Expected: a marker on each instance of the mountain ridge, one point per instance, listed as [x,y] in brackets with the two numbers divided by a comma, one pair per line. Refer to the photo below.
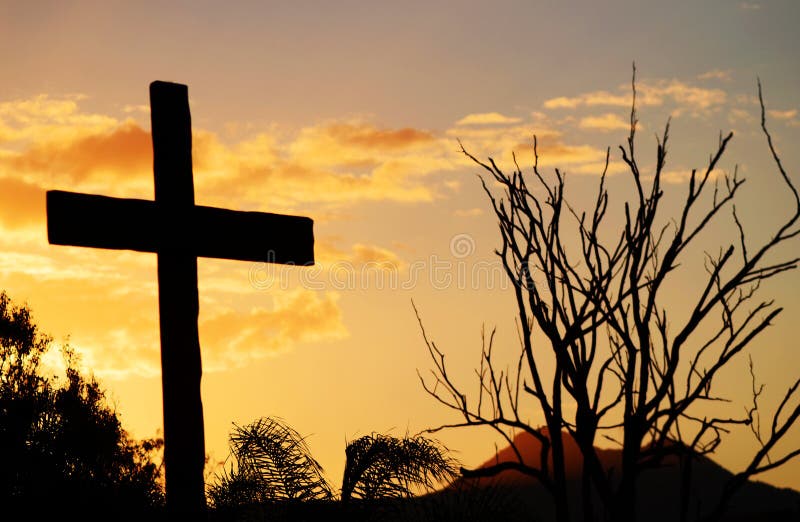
[658,488]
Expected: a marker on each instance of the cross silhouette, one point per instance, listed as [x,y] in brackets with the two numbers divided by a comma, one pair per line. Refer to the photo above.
[178,231]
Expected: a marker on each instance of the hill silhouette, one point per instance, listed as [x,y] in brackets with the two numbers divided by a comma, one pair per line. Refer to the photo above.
[530,449]
[659,488]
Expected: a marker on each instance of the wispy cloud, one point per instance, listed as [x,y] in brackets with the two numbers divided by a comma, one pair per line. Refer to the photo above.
[469,212]
[648,93]
[788,114]
[589,99]
[750,6]
[112,154]
[680,176]
[51,119]
[130,109]
[487,118]
[606,122]
[106,302]
[329,252]
[330,166]
[21,203]
[370,137]
[50,142]
[233,339]
[716,74]
[563,102]
[736,115]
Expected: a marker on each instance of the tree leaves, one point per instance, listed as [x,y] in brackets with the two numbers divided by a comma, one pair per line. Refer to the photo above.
[64,448]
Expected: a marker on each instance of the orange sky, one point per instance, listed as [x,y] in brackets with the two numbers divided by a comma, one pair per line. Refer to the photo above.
[351,116]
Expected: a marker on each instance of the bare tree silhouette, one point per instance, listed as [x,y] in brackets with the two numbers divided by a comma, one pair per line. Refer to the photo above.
[594,330]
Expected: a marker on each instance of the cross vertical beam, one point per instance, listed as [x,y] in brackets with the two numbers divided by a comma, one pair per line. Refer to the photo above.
[178,304]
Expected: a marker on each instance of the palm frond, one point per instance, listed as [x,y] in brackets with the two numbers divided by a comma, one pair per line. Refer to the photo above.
[272,462]
[382,466]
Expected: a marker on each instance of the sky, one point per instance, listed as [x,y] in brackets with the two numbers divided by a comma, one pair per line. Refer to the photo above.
[350,113]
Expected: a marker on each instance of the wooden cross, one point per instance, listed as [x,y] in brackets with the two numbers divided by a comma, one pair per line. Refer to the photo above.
[178,231]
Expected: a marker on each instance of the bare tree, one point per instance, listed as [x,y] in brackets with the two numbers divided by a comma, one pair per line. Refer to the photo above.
[596,311]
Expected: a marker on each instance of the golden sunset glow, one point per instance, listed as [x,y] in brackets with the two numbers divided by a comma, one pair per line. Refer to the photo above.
[354,116]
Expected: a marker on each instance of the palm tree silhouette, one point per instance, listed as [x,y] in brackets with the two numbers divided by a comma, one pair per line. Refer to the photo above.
[382,466]
[271,462]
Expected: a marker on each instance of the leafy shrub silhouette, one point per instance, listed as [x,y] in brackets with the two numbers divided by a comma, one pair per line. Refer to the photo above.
[63,446]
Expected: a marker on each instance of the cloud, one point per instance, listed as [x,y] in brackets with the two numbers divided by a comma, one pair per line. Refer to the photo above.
[788,117]
[590,99]
[354,146]
[596,168]
[21,203]
[113,154]
[52,142]
[228,338]
[144,109]
[369,137]
[234,338]
[358,267]
[360,254]
[109,315]
[487,118]
[562,102]
[377,256]
[468,212]
[317,168]
[676,176]
[648,93]
[605,122]
[108,300]
[685,95]
[783,115]
[680,176]
[42,117]
[106,304]
[329,164]
[500,142]
[496,140]
[605,98]
[453,185]
[749,6]
[736,115]
[556,153]
[716,74]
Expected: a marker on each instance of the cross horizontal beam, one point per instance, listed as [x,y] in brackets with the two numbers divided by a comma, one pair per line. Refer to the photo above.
[145,226]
